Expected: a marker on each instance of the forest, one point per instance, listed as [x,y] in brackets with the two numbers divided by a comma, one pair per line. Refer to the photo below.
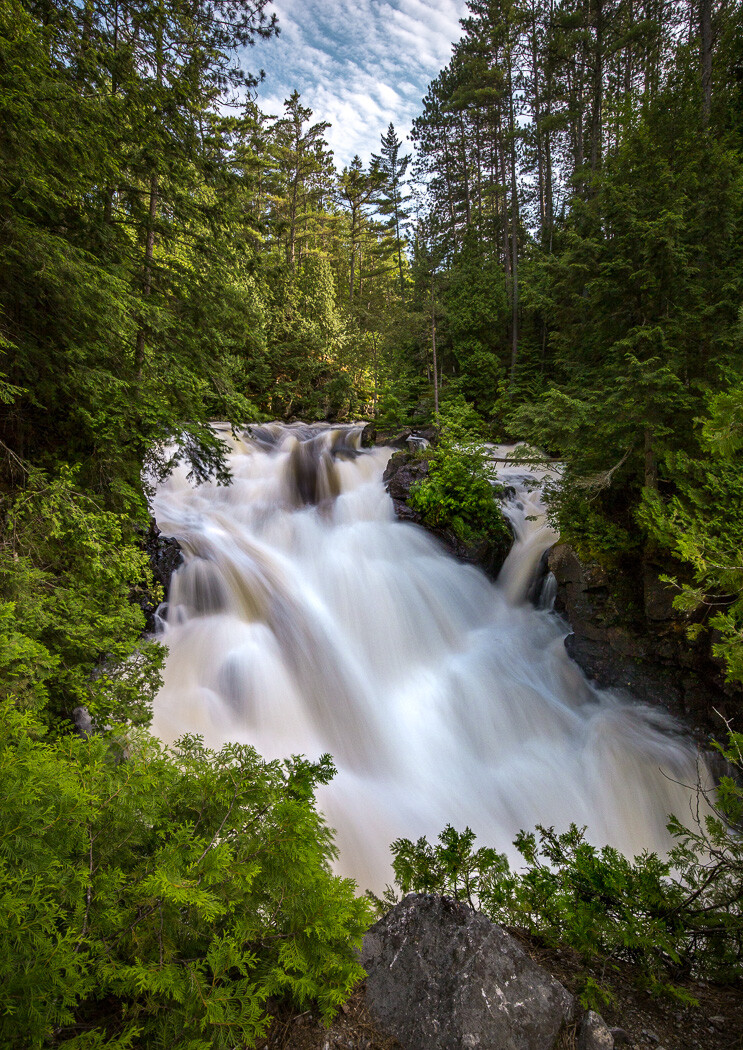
[559,261]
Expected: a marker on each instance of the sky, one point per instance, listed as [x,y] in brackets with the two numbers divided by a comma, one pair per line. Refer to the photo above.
[359,64]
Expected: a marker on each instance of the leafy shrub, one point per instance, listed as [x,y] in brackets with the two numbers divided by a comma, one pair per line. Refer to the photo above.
[669,918]
[160,900]
[69,632]
[696,525]
[458,493]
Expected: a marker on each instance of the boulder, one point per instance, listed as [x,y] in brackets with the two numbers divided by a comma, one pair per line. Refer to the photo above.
[83,722]
[443,977]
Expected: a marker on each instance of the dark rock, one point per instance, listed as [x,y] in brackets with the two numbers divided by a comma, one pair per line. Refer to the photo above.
[402,472]
[594,1033]
[626,634]
[405,437]
[658,596]
[368,436]
[620,1037]
[83,722]
[394,438]
[443,977]
[165,556]
[537,585]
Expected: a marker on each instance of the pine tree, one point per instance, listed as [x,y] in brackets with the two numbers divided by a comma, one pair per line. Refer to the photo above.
[391,198]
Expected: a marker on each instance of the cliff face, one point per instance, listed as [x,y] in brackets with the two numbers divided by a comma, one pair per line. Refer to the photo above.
[626,634]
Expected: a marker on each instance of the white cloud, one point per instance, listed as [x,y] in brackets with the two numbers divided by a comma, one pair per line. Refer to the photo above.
[360,64]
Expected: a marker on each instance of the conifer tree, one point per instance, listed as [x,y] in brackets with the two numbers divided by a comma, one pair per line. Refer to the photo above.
[391,198]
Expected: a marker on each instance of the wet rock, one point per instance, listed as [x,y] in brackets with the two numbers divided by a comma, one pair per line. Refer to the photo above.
[539,582]
[443,977]
[165,556]
[594,1033]
[627,635]
[394,438]
[405,437]
[402,472]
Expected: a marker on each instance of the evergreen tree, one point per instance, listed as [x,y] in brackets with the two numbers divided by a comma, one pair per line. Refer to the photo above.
[391,199]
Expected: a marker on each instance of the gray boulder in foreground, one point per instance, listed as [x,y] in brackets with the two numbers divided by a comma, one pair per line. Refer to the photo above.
[443,977]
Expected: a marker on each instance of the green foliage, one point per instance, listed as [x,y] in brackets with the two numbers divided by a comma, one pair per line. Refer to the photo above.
[669,918]
[697,526]
[71,634]
[450,867]
[642,293]
[474,322]
[458,492]
[154,897]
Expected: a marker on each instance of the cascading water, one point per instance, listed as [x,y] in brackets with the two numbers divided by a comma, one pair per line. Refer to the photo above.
[307,619]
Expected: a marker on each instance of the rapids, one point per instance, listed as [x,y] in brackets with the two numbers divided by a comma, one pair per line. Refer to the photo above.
[307,619]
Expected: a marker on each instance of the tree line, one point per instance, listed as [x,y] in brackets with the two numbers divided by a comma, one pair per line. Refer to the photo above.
[581,236]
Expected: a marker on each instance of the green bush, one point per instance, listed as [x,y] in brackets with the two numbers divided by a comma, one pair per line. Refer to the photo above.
[70,634]
[159,898]
[458,493]
[672,918]
[696,525]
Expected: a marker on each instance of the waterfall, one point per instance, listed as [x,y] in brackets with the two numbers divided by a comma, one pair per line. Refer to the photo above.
[307,619]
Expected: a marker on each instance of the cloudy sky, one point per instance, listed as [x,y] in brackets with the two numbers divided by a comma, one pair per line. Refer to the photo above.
[357,63]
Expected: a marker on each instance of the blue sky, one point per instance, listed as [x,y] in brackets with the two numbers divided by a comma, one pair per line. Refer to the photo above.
[357,63]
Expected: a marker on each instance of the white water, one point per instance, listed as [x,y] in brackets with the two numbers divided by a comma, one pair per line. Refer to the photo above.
[307,619]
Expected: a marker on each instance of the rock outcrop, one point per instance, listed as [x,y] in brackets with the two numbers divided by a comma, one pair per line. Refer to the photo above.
[165,556]
[626,634]
[443,977]
[405,437]
[402,472]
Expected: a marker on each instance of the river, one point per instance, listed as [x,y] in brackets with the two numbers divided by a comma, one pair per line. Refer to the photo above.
[307,619]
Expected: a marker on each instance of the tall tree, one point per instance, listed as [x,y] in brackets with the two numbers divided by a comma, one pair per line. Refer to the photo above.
[393,168]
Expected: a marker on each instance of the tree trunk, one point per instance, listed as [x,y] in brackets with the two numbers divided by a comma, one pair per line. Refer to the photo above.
[399,242]
[433,347]
[502,179]
[514,235]
[147,273]
[598,86]
[538,129]
[149,249]
[465,172]
[290,251]
[108,203]
[705,56]
[651,464]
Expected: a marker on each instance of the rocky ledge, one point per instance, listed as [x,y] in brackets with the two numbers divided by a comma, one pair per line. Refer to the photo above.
[406,468]
[626,634]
